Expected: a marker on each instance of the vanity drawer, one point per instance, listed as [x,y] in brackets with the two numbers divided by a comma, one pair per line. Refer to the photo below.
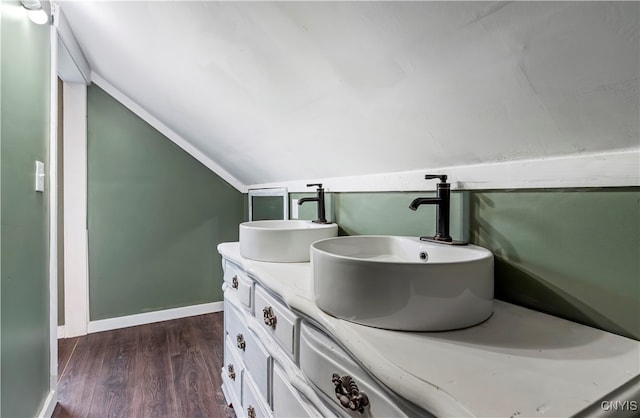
[248,348]
[252,404]
[239,283]
[277,320]
[232,370]
[321,358]
[287,402]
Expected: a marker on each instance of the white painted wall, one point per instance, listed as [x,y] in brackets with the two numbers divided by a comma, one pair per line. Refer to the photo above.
[277,92]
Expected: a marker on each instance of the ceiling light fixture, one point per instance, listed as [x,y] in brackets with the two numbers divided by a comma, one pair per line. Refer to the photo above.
[35,12]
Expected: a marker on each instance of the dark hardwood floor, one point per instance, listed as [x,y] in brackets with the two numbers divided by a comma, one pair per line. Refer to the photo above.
[166,369]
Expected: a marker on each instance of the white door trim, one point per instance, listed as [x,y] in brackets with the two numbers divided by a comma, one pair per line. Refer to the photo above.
[50,401]
[76,250]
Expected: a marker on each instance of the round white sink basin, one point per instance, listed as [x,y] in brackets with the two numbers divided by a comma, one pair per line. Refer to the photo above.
[402,283]
[285,241]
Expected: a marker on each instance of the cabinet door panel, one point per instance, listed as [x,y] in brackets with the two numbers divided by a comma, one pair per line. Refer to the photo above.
[287,402]
[239,283]
[283,324]
[232,371]
[321,358]
[252,403]
[248,348]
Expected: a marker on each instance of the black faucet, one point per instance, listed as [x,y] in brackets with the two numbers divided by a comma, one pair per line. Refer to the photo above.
[443,203]
[320,199]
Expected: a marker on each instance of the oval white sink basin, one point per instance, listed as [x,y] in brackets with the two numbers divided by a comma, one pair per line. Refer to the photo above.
[402,283]
[285,241]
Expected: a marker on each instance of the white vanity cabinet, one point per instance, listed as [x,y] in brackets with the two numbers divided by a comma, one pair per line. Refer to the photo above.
[278,365]
[284,357]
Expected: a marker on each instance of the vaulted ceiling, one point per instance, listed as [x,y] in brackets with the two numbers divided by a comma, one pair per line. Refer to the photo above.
[276,91]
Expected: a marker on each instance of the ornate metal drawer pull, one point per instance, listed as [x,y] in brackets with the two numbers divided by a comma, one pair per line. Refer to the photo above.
[232,373]
[348,393]
[240,342]
[269,317]
[234,282]
[251,412]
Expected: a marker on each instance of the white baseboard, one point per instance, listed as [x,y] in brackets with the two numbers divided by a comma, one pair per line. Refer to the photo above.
[49,405]
[61,332]
[151,317]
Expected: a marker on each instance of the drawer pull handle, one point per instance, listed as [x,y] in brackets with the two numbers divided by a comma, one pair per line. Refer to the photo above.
[251,412]
[234,282]
[240,342]
[348,394]
[232,373]
[269,317]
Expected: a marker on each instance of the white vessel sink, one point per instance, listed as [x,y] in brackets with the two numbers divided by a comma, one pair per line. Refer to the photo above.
[282,241]
[402,283]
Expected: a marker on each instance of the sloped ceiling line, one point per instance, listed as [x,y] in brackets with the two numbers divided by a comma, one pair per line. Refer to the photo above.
[72,64]
[166,131]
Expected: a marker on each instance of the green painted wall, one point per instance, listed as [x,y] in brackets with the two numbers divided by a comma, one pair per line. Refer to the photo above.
[156,216]
[24,271]
[570,253]
[267,207]
[386,213]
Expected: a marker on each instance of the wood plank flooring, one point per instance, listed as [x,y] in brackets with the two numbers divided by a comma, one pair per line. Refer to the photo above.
[167,369]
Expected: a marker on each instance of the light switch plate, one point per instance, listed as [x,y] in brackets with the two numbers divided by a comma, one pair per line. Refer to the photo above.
[39,176]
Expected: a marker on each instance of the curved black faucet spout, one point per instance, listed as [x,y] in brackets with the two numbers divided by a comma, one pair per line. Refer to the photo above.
[322,219]
[442,202]
[424,201]
[307,199]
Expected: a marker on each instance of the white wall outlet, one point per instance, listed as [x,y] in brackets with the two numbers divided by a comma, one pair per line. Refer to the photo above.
[39,176]
[294,208]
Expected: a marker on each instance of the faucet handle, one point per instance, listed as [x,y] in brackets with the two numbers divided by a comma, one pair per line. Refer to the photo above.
[319,185]
[442,177]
